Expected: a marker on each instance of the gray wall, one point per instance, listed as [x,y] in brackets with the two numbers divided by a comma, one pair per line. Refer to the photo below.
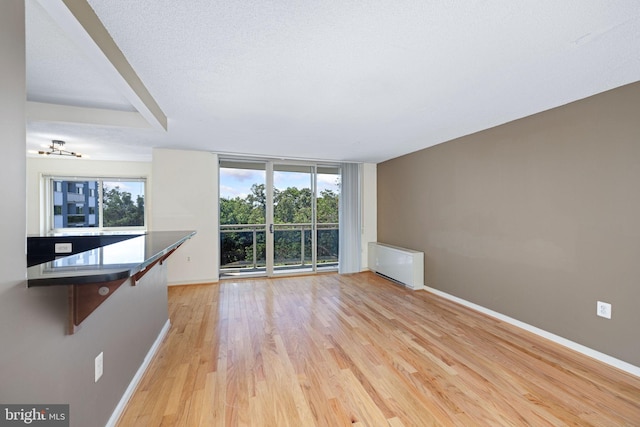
[42,364]
[39,363]
[536,219]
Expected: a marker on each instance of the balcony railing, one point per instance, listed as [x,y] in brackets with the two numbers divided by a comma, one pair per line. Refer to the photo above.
[243,246]
[75,198]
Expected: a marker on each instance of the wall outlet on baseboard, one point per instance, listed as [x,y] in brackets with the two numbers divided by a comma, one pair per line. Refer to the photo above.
[604,310]
[99,365]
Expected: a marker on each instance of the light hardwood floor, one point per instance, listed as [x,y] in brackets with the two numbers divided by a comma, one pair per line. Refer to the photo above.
[345,350]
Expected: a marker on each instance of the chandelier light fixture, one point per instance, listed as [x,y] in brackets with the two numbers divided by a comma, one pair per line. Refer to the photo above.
[56,148]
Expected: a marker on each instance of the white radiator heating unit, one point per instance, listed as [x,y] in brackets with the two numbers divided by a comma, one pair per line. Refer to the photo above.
[398,264]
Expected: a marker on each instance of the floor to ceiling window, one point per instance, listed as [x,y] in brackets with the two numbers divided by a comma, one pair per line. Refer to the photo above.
[278,217]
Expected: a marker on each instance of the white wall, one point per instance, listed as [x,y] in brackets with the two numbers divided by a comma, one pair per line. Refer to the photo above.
[37,167]
[181,194]
[369,209]
[185,197]
[13,136]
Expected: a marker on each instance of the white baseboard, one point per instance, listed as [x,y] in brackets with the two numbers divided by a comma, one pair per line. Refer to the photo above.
[602,357]
[194,282]
[117,413]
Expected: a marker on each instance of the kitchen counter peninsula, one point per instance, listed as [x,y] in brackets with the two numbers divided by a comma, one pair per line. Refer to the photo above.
[92,276]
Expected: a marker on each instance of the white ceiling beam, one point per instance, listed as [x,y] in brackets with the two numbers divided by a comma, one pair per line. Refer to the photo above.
[78,20]
[44,112]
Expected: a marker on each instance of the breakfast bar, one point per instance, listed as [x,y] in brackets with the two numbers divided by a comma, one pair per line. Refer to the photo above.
[93,275]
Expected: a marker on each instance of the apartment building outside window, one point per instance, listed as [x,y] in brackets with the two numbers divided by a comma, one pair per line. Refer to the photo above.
[95,203]
[72,201]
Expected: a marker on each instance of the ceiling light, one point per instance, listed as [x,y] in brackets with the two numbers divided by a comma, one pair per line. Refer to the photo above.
[56,148]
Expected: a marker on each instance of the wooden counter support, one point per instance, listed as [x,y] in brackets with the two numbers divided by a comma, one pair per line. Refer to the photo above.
[136,277]
[84,299]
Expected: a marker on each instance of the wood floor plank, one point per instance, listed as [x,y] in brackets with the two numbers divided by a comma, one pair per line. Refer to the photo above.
[358,350]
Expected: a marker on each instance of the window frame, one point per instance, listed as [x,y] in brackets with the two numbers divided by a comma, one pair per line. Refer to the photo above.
[49,206]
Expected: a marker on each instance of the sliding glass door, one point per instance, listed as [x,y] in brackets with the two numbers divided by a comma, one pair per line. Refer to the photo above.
[243,218]
[327,202]
[293,218]
[278,218]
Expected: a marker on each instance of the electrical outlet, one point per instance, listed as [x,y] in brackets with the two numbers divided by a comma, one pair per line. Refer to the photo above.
[604,310]
[99,364]
[63,248]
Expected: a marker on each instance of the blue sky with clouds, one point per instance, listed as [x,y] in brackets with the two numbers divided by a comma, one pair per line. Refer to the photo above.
[238,182]
[134,187]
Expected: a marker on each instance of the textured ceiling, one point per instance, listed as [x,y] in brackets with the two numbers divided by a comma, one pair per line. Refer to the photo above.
[334,80]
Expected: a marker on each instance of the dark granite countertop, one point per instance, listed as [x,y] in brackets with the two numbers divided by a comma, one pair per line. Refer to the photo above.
[111,262]
[44,247]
